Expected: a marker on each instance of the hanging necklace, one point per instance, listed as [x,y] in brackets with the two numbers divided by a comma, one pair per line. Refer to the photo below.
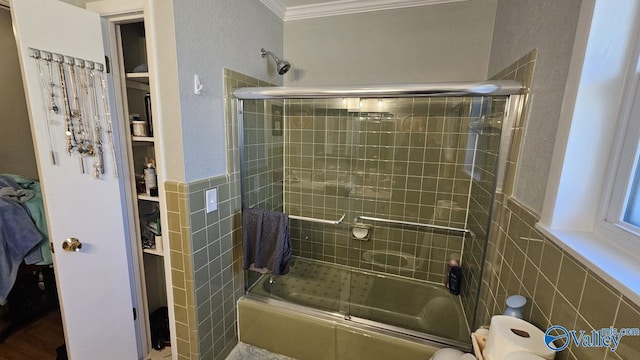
[77,86]
[47,83]
[93,118]
[78,126]
[84,111]
[40,57]
[54,108]
[107,117]
[71,142]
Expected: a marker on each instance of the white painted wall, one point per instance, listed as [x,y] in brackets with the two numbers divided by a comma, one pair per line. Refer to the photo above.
[549,26]
[16,145]
[212,35]
[445,42]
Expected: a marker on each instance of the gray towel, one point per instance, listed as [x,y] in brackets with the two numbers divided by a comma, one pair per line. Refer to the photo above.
[35,207]
[266,240]
[18,235]
[21,195]
[6,180]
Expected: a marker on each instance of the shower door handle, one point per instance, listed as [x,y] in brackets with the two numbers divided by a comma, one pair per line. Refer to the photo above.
[321,221]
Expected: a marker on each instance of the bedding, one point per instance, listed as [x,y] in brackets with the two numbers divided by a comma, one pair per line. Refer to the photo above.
[23,229]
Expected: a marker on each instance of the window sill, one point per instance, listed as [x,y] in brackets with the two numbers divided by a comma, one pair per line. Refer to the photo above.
[618,266]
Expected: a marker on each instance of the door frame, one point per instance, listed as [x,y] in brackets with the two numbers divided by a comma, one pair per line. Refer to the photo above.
[113,14]
[130,260]
[116,83]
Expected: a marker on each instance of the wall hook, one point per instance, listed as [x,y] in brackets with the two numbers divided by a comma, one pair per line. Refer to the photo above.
[197,85]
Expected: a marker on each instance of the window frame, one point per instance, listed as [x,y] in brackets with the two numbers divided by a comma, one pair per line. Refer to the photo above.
[602,82]
[624,166]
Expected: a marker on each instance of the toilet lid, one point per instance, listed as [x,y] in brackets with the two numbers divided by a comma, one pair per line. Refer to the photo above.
[520,355]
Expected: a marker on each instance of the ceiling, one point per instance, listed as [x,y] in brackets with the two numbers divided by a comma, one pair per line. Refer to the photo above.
[305,9]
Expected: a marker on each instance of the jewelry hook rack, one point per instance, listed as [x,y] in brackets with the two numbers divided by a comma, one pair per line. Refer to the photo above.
[79,87]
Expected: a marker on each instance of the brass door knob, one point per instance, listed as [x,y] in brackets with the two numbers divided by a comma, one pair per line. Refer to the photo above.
[71,244]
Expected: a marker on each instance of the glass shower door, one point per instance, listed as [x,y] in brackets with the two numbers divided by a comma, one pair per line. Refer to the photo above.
[318,161]
[262,159]
[420,161]
[400,161]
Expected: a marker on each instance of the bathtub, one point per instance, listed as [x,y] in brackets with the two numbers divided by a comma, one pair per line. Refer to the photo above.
[303,333]
[382,259]
[412,307]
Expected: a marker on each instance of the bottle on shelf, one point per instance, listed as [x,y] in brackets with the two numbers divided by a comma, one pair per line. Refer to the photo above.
[150,177]
[147,109]
[139,127]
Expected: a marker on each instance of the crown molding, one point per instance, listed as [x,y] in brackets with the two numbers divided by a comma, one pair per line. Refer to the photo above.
[276,7]
[343,7]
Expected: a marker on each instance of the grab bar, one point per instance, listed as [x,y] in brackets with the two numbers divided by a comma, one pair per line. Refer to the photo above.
[316,220]
[400,222]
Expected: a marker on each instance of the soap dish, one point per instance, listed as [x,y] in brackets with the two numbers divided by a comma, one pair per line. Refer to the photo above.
[360,231]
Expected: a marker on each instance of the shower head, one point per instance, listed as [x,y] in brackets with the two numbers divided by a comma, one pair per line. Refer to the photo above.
[282,65]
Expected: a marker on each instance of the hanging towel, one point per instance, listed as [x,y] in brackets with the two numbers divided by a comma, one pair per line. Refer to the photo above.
[266,240]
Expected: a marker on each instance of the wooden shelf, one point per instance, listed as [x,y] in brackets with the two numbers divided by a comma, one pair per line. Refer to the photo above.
[139,81]
[159,355]
[148,197]
[158,249]
[155,276]
[142,138]
[142,77]
[153,252]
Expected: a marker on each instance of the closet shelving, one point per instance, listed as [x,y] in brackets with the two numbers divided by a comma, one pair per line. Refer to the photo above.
[142,77]
[147,205]
[142,139]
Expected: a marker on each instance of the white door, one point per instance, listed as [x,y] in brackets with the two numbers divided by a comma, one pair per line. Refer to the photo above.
[94,284]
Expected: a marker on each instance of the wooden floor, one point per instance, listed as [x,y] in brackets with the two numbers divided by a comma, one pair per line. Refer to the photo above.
[36,341]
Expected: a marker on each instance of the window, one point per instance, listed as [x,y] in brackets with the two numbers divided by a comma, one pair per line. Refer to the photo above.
[631,213]
[592,203]
[624,208]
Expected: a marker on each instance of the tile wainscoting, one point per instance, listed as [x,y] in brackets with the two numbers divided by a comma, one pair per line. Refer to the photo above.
[560,289]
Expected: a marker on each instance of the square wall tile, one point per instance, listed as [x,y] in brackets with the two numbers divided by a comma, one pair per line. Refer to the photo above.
[628,317]
[599,303]
[564,291]
[571,280]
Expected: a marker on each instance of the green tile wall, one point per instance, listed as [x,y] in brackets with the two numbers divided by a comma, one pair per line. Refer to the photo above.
[205,252]
[482,190]
[401,159]
[182,272]
[216,239]
[560,289]
[263,151]
[206,249]
[480,205]
[216,257]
